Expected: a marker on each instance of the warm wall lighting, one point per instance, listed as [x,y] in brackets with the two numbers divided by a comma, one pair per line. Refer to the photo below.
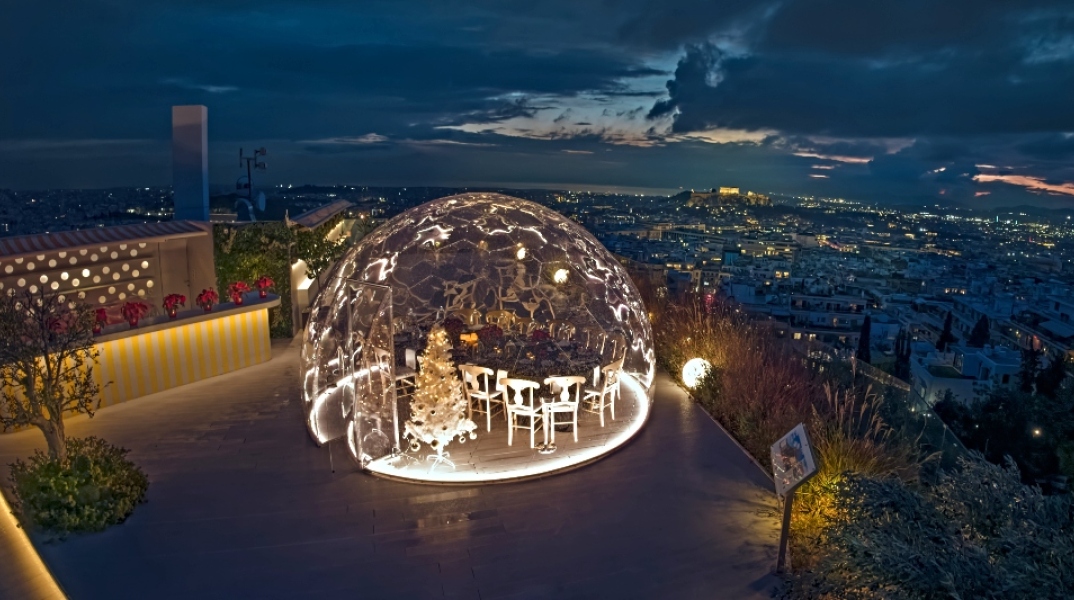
[694,370]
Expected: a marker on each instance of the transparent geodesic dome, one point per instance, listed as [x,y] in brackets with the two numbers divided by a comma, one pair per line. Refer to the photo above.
[478,251]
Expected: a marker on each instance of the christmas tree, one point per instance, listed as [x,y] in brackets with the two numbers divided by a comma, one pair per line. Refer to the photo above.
[438,407]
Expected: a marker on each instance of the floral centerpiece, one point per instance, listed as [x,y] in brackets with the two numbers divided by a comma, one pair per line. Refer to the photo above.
[207,298]
[490,335]
[134,310]
[454,327]
[172,302]
[100,318]
[263,284]
[236,290]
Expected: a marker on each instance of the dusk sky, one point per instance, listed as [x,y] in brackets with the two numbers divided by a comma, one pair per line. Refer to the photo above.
[878,100]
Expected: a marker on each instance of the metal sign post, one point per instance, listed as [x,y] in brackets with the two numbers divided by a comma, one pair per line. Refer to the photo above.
[792,465]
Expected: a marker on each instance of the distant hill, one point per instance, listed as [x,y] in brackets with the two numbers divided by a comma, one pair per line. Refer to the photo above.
[723,197]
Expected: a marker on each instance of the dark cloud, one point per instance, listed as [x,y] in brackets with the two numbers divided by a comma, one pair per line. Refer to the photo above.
[804,94]
[670,23]
[913,85]
[1049,147]
[693,81]
[889,28]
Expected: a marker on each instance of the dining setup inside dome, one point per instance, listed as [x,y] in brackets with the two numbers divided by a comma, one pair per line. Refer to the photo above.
[475,338]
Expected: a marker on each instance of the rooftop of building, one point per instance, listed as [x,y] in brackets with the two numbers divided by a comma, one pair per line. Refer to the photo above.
[320,215]
[27,245]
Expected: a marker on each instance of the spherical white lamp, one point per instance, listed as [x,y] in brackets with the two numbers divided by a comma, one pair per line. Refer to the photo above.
[560,276]
[694,370]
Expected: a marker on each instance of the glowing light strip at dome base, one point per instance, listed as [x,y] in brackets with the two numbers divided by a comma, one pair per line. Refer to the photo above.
[418,471]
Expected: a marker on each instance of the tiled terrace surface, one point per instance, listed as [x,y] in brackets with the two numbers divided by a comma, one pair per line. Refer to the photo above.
[243,505]
[22,574]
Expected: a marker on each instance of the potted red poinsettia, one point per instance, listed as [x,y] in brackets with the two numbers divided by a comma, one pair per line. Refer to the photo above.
[172,302]
[100,318]
[134,310]
[263,284]
[207,298]
[236,290]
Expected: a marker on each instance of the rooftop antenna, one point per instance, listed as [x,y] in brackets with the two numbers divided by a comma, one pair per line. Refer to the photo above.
[251,163]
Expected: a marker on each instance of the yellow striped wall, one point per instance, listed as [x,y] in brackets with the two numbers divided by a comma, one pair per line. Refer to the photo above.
[151,362]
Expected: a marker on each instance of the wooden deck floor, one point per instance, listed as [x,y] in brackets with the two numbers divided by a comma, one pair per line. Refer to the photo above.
[242,504]
[490,458]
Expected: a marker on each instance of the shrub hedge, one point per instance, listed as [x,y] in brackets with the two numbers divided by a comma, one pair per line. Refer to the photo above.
[96,488]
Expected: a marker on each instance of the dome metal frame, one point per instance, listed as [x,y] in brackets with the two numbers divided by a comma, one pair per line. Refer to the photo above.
[479,251]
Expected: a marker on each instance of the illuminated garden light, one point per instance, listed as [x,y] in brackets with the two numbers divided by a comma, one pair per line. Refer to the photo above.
[560,276]
[694,370]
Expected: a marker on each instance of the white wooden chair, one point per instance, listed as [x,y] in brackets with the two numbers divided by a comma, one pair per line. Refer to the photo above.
[523,405]
[594,338]
[561,330]
[603,396]
[407,376]
[471,317]
[562,403]
[476,385]
[501,389]
[504,319]
[615,346]
[525,326]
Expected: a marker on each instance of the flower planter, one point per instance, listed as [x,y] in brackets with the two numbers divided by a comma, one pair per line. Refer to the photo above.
[133,311]
[236,291]
[206,299]
[263,284]
[172,302]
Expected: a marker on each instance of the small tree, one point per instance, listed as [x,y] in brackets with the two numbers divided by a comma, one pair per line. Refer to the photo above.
[438,406]
[1051,377]
[46,363]
[981,333]
[1027,374]
[864,354]
[946,337]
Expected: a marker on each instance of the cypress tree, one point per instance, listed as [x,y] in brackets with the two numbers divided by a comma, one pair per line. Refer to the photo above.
[1051,377]
[1030,368]
[863,341]
[981,333]
[902,355]
[946,337]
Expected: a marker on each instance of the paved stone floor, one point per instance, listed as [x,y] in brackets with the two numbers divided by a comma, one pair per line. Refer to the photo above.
[243,505]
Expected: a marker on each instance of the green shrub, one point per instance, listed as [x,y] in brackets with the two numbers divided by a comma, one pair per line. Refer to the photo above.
[248,251]
[96,488]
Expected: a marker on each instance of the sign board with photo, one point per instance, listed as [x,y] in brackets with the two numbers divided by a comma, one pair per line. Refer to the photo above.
[792,460]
